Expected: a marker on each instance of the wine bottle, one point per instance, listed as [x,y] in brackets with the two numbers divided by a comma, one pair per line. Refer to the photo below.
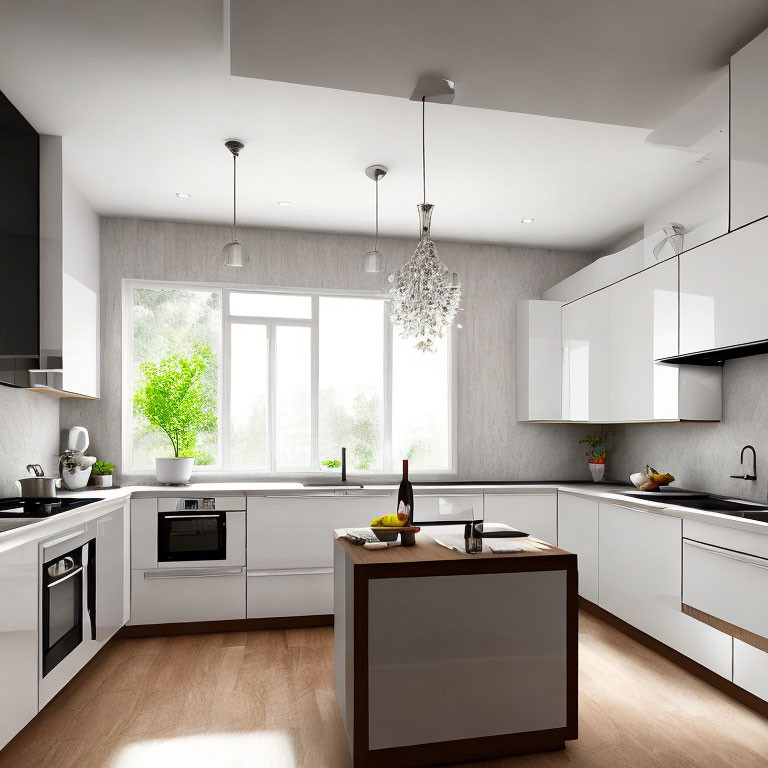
[405,495]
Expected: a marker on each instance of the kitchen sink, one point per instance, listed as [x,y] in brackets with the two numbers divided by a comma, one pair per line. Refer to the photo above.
[334,485]
[703,501]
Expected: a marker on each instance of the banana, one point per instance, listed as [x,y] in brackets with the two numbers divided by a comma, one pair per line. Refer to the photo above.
[389,521]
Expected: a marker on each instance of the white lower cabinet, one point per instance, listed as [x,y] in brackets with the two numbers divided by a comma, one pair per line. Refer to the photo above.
[290,548]
[112,607]
[534,513]
[750,669]
[167,596]
[577,532]
[18,639]
[640,569]
[442,508]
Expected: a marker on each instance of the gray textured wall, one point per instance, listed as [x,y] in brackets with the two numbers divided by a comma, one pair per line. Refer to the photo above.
[491,444]
[702,456]
[29,434]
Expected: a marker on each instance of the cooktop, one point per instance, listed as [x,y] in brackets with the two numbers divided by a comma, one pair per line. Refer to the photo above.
[20,508]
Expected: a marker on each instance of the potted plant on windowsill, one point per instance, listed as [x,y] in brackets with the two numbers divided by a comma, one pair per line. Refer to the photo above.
[178,399]
[101,474]
[597,453]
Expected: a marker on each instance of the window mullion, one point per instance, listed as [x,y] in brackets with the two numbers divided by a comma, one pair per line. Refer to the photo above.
[271,351]
[388,458]
[315,385]
[225,381]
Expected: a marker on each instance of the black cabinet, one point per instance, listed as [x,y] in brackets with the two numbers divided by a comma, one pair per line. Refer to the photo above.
[19,245]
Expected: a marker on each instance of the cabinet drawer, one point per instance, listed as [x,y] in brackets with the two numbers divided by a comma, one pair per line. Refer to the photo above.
[728,585]
[163,596]
[750,669]
[534,513]
[300,592]
[437,508]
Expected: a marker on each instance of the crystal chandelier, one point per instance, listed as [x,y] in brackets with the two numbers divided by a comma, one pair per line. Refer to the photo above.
[424,300]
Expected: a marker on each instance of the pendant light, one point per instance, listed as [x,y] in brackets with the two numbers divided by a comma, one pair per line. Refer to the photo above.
[373,259]
[424,298]
[234,253]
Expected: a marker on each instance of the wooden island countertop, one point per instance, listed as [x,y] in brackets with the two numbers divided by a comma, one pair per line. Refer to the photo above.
[442,656]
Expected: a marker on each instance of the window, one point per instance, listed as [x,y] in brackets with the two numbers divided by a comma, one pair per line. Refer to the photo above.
[291,378]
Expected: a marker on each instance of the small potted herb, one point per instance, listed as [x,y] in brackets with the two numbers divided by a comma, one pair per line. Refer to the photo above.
[597,453]
[101,474]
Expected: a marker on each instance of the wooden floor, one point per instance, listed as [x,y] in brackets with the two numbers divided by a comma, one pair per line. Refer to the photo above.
[247,700]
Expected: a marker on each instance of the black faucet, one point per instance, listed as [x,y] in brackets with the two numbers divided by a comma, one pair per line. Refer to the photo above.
[753,476]
[343,464]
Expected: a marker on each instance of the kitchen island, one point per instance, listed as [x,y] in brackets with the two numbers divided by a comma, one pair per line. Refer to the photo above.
[441,656]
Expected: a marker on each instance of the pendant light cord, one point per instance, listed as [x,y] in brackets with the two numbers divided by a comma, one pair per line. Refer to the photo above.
[423,152]
[234,195]
[376,241]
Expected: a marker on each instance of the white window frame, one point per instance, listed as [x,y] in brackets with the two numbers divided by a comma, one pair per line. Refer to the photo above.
[224,289]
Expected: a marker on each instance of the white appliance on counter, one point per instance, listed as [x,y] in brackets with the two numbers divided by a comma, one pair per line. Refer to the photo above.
[187,559]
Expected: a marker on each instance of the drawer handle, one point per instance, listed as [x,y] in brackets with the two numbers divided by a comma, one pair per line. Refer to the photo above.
[291,572]
[742,557]
[196,573]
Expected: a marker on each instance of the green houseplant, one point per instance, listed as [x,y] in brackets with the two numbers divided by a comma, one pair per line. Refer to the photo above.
[597,453]
[101,474]
[178,399]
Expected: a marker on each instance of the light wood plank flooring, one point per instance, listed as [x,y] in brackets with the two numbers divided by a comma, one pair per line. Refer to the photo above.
[265,699]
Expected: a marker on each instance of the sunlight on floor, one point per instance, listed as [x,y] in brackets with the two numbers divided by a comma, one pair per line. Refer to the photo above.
[264,749]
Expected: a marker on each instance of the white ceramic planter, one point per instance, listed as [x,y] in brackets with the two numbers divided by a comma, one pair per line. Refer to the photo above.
[102,481]
[598,471]
[76,478]
[173,471]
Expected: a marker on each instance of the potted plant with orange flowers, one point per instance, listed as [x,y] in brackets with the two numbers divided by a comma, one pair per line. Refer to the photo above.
[597,452]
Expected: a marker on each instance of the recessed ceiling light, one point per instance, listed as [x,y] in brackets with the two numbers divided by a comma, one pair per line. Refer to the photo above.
[284,203]
[527,221]
[183,195]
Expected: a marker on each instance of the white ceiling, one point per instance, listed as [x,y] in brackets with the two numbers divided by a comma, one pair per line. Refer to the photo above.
[142,94]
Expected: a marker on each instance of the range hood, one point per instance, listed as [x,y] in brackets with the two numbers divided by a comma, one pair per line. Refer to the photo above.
[719,356]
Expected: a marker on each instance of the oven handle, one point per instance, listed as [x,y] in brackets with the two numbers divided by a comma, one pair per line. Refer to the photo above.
[62,539]
[191,573]
[65,578]
[188,517]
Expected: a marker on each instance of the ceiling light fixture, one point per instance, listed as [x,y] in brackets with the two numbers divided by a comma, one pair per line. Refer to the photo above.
[423,300]
[527,221]
[373,259]
[183,195]
[285,203]
[234,253]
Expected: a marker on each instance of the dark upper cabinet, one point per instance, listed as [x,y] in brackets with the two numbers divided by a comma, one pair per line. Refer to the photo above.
[19,244]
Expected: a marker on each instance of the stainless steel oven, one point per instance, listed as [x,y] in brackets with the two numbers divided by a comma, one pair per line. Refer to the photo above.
[191,535]
[68,596]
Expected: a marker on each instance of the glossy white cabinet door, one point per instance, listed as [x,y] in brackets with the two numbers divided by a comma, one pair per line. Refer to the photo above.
[642,329]
[111,585]
[750,669]
[586,358]
[301,592]
[577,532]
[297,531]
[534,513]
[749,127]
[640,574]
[18,639]
[143,533]
[442,508]
[538,361]
[722,291]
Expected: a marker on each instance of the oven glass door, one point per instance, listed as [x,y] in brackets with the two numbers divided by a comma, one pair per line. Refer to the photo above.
[187,537]
[62,607]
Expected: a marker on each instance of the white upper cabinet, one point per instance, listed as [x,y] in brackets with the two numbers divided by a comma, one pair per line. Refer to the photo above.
[586,358]
[722,291]
[643,329]
[749,128]
[538,361]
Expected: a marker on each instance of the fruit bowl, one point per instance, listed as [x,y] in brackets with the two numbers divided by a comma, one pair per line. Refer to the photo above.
[651,479]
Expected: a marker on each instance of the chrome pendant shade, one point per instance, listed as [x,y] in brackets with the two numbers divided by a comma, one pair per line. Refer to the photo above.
[424,297]
[234,253]
[373,260]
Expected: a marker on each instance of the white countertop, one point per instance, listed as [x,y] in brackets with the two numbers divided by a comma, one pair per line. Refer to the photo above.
[108,496]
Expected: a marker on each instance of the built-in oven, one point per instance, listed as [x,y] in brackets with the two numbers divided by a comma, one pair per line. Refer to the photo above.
[193,533]
[67,596]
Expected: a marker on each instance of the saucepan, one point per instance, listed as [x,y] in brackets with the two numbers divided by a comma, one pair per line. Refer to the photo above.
[39,486]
